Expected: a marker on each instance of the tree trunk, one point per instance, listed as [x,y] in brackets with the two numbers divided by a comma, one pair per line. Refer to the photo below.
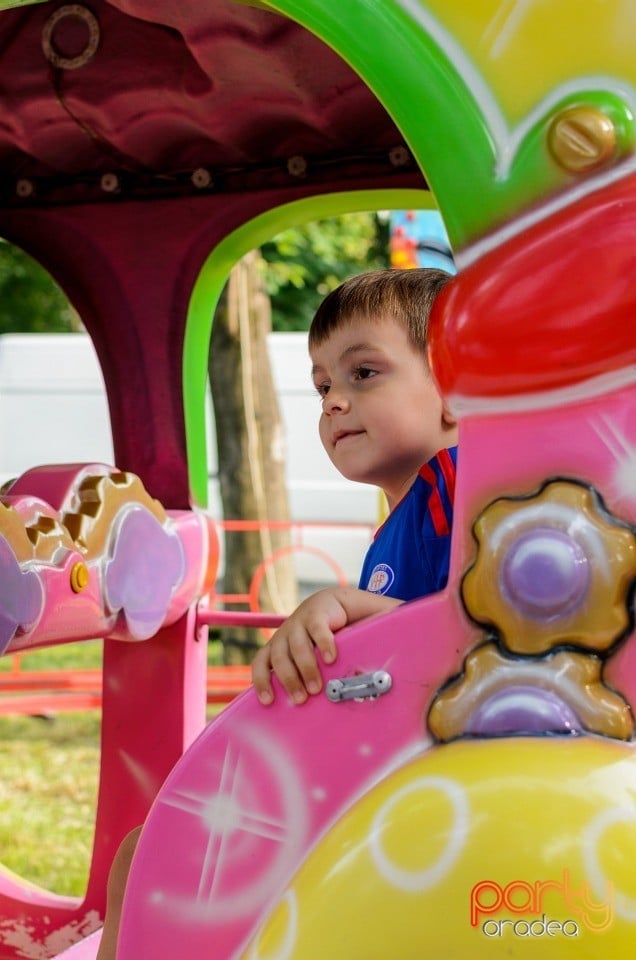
[250,445]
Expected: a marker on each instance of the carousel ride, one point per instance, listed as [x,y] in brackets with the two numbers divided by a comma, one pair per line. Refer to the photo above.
[467,785]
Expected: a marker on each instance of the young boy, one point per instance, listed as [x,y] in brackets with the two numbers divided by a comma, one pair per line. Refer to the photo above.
[382,422]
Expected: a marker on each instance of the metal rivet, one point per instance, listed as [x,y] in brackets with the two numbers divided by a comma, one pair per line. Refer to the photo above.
[24,188]
[399,156]
[297,166]
[109,182]
[581,138]
[52,53]
[201,178]
[79,577]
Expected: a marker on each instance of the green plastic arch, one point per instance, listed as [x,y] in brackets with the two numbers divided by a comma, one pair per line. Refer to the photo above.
[214,273]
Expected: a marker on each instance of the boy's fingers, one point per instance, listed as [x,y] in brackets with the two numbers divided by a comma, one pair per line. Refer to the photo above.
[327,646]
[303,647]
[275,656]
[307,666]
[291,653]
[261,675]
[284,660]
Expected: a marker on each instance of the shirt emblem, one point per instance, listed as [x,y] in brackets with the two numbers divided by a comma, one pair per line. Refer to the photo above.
[381,578]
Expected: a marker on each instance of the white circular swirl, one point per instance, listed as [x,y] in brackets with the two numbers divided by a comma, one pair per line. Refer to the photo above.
[624,906]
[415,880]
[287,946]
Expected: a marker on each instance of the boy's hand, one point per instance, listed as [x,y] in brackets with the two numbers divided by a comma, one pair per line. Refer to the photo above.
[291,652]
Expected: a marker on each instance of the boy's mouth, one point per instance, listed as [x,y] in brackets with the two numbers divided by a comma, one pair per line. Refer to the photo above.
[340,435]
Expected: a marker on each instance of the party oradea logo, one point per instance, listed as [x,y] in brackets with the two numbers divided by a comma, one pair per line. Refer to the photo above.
[542,908]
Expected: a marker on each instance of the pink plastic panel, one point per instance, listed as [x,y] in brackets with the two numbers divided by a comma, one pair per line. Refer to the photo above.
[260,786]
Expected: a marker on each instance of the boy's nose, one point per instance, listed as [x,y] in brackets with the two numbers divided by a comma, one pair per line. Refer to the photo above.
[335,402]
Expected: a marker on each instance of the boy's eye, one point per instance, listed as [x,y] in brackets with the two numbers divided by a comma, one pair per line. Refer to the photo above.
[363,373]
[323,389]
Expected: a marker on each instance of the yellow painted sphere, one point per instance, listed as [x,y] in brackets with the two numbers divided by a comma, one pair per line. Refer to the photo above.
[517,847]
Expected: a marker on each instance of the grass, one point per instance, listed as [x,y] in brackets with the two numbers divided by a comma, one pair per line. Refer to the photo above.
[86,655]
[48,793]
[48,787]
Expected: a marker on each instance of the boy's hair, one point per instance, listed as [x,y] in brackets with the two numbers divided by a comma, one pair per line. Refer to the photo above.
[405,295]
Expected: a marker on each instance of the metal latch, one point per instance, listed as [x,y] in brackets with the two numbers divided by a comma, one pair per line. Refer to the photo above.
[365,686]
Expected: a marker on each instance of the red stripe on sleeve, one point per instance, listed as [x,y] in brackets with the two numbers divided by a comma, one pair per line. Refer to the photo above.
[435,505]
[448,472]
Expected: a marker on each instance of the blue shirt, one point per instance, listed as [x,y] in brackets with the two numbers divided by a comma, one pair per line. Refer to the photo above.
[410,553]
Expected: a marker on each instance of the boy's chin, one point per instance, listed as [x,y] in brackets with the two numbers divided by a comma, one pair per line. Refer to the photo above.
[357,476]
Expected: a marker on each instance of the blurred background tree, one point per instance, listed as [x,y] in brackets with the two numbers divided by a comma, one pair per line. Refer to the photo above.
[30,300]
[302,264]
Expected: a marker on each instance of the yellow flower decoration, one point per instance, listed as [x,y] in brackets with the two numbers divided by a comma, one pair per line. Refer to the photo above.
[552,569]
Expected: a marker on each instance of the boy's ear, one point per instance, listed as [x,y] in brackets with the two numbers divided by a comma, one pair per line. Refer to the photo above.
[448,420]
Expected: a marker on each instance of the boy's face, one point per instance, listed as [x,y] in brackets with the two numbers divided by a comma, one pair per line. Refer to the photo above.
[382,416]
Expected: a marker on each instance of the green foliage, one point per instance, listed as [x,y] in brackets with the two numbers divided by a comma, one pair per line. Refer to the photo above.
[303,264]
[30,300]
